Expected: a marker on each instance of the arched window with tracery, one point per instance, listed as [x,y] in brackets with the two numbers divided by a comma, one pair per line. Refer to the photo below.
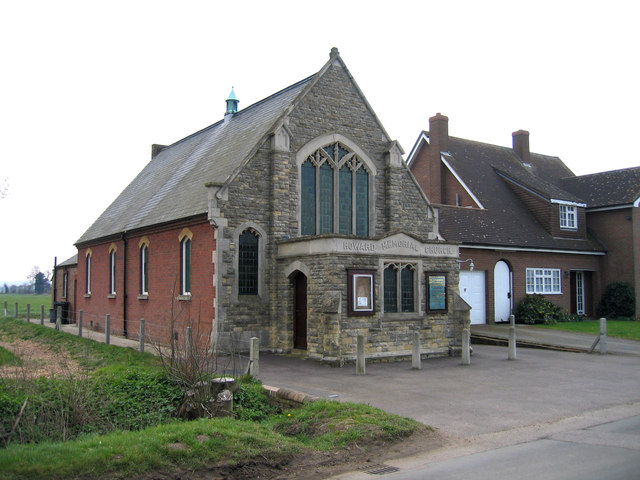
[334,192]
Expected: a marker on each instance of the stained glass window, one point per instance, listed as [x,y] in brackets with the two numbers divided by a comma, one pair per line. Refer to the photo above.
[406,288]
[345,185]
[328,185]
[308,210]
[326,198]
[248,263]
[390,289]
[362,203]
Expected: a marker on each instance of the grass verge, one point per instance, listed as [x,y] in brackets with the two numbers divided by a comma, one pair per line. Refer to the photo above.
[627,329]
[203,444]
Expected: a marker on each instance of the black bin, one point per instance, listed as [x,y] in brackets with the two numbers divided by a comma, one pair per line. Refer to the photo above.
[53,315]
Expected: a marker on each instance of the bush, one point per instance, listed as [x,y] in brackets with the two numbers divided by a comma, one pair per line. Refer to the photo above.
[537,309]
[250,401]
[617,301]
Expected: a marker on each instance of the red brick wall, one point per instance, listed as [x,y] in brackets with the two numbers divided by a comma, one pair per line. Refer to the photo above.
[485,260]
[615,229]
[58,291]
[162,306]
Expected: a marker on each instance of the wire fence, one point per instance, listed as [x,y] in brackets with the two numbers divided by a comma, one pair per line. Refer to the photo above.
[182,340]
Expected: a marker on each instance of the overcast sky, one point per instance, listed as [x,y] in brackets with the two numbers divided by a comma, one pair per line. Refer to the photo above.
[88,86]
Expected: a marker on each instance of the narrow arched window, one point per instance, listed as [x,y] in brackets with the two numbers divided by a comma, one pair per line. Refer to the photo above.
[144,269]
[248,263]
[112,272]
[185,264]
[88,266]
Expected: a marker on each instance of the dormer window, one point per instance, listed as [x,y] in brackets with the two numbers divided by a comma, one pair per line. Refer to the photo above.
[568,217]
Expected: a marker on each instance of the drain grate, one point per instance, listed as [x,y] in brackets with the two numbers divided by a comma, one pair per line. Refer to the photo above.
[378,469]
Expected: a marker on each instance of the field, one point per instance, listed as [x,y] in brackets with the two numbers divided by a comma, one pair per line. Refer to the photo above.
[22,300]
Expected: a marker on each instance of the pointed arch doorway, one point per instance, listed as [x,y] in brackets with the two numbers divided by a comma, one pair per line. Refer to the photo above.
[299,281]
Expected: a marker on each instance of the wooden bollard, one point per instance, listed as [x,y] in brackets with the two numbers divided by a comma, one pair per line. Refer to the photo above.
[254,357]
[41,314]
[80,323]
[466,346]
[141,335]
[107,330]
[360,357]
[603,336]
[28,312]
[512,338]
[416,358]
[58,317]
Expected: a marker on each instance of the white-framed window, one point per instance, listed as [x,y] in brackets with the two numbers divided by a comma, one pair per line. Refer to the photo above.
[568,217]
[112,272]
[185,260]
[144,269]
[88,272]
[543,280]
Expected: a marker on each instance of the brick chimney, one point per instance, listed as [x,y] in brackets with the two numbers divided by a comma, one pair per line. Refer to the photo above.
[439,132]
[438,142]
[521,145]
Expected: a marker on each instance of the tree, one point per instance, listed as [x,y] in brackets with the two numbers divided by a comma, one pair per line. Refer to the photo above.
[40,281]
[4,188]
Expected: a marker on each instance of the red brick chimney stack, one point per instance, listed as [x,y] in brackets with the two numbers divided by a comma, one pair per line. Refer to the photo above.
[439,132]
[438,142]
[521,145]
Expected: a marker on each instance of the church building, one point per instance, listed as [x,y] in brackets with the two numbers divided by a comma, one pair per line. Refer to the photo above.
[294,220]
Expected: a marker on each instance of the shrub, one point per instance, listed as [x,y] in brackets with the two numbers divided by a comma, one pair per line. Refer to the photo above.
[617,301]
[537,309]
[250,401]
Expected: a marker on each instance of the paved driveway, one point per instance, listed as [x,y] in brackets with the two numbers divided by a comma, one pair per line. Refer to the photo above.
[490,395]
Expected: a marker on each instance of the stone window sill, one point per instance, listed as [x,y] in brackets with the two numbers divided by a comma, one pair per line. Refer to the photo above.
[144,296]
[185,298]
[111,295]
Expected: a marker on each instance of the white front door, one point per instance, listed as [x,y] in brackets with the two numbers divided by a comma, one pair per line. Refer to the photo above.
[501,292]
[472,291]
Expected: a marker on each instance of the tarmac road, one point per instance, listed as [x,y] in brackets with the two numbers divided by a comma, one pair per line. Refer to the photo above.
[544,415]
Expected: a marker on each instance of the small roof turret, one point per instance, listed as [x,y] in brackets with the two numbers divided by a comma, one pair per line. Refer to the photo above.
[232,103]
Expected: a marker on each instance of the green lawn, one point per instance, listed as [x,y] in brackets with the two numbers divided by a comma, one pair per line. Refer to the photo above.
[23,300]
[628,329]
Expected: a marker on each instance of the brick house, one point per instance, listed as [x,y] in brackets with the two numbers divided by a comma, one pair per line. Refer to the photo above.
[65,286]
[295,220]
[526,223]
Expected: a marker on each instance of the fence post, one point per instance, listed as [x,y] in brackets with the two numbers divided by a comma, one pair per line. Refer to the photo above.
[58,317]
[41,314]
[80,323]
[28,312]
[5,309]
[254,357]
[466,346]
[416,360]
[603,336]
[16,316]
[141,335]
[107,330]
[360,358]
[189,343]
[512,337]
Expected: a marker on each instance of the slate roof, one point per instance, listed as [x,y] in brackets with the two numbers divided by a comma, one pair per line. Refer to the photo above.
[69,261]
[505,220]
[606,189]
[172,185]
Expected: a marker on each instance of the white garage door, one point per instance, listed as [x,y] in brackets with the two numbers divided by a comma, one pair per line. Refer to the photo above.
[472,291]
